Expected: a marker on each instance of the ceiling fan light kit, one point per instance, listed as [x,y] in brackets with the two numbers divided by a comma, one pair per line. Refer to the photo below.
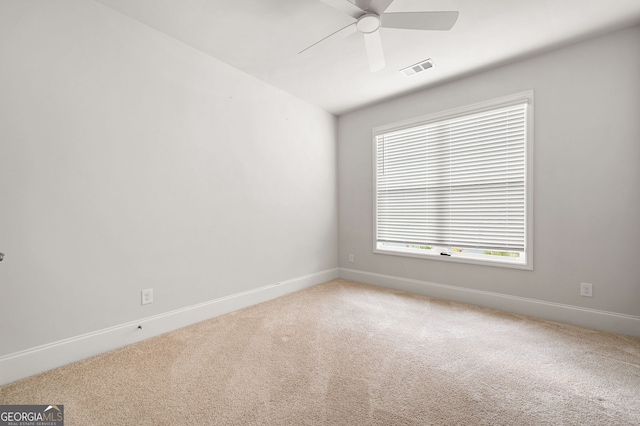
[369,20]
[368,23]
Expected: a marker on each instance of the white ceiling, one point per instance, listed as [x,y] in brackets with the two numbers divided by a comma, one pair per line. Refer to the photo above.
[263,38]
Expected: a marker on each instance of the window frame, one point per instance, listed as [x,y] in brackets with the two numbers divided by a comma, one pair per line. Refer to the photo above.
[526,96]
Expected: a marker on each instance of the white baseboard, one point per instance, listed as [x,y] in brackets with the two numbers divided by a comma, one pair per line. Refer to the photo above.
[584,317]
[36,360]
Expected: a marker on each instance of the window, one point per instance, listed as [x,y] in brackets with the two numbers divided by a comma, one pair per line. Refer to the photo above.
[456,186]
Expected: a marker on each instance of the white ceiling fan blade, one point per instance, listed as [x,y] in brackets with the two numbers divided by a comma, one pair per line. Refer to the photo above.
[374,51]
[441,21]
[345,7]
[379,6]
[338,35]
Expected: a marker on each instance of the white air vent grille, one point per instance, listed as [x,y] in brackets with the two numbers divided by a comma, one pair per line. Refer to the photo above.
[416,68]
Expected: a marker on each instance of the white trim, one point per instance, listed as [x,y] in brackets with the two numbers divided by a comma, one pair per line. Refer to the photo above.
[576,315]
[36,360]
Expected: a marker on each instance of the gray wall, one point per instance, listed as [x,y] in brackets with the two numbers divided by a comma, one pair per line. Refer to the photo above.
[586,176]
[131,161]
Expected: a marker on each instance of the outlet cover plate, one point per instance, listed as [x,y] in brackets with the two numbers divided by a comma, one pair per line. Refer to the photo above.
[586,289]
[147,296]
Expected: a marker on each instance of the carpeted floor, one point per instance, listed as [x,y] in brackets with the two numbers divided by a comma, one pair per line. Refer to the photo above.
[353,354]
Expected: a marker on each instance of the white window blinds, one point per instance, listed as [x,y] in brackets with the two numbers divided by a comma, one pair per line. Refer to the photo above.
[457,182]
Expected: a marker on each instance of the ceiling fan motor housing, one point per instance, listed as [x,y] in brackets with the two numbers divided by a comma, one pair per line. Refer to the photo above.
[368,23]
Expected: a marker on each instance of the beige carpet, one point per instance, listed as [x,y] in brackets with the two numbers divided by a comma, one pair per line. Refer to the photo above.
[347,353]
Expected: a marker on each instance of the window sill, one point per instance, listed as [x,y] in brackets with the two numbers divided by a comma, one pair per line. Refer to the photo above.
[457,258]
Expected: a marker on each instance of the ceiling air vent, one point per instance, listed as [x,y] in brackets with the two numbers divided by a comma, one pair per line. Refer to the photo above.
[416,68]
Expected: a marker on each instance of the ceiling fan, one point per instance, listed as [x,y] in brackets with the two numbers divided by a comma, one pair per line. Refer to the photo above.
[369,17]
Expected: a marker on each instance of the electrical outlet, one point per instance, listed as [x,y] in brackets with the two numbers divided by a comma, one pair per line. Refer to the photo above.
[586,289]
[147,296]
[351,258]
